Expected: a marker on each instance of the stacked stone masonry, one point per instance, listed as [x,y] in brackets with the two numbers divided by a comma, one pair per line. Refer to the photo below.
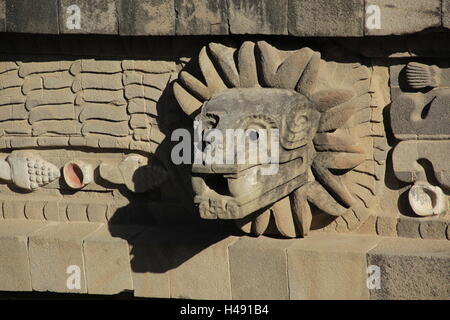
[159,263]
[337,18]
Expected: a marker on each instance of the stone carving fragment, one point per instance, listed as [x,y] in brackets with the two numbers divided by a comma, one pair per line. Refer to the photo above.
[420,75]
[321,122]
[426,200]
[77,174]
[421,120]
[27,171]
[420,116]
[135,173]
[407,154]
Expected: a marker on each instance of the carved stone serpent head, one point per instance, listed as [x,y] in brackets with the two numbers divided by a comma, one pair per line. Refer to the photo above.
[317,114]
[233,189]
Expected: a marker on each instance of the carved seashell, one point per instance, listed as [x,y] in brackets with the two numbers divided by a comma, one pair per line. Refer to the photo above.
[426,200]
[78,174]
[419,75]
[31,171]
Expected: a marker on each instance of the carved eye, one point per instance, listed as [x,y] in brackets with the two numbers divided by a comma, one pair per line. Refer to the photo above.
[299,122]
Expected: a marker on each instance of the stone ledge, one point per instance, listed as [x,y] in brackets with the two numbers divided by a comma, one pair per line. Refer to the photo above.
[411,269]
[177,262]
[305,18]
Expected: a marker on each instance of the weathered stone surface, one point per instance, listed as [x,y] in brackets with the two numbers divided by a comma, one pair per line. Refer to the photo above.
[32,16]
[2,15]
[406,154]
[148,264]
[402,17]
[54,250]
[107,259]
[369,226]
[95,66]
[149,66]
[433,229]
[96,212]
[412,269]
[408,227]
[146,17]
[326,18]
[258,268]
[29,68]
[205,275]
[201,17]
[412,119]
[14,209]
[329,267]
[97,17]
[387,226]
[257,16]
[76,212]
[97,81]
[179,263]
[14,263]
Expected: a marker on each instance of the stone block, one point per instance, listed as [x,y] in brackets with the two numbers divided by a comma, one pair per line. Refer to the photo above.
[208,17]
[14,209]
[411,269]
[86,16]
[2,15]
[107,259]
[387,226]
[14,263]
[258,269]
[206,274]
[368,227]
[149,266]
[408,227]
[146,17]
[403,17]
[56,257]
[429,123]
[31,16]
[406,154]
[339,18]
[181,263]
[446,13]
[258,16]
[433,229]
[329,267]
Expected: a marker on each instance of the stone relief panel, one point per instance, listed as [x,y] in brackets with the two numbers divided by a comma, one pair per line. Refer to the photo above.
[89,139]
[77,136]
[322,109]
[420,120]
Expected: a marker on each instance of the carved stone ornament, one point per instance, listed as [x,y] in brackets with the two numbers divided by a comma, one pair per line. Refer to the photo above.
[420,116]
[27,170]
[322,112]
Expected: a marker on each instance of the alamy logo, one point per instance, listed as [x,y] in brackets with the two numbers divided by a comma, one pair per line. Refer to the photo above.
[74,280]
[373,17]
[231,146]
[374,279]
[73,21]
